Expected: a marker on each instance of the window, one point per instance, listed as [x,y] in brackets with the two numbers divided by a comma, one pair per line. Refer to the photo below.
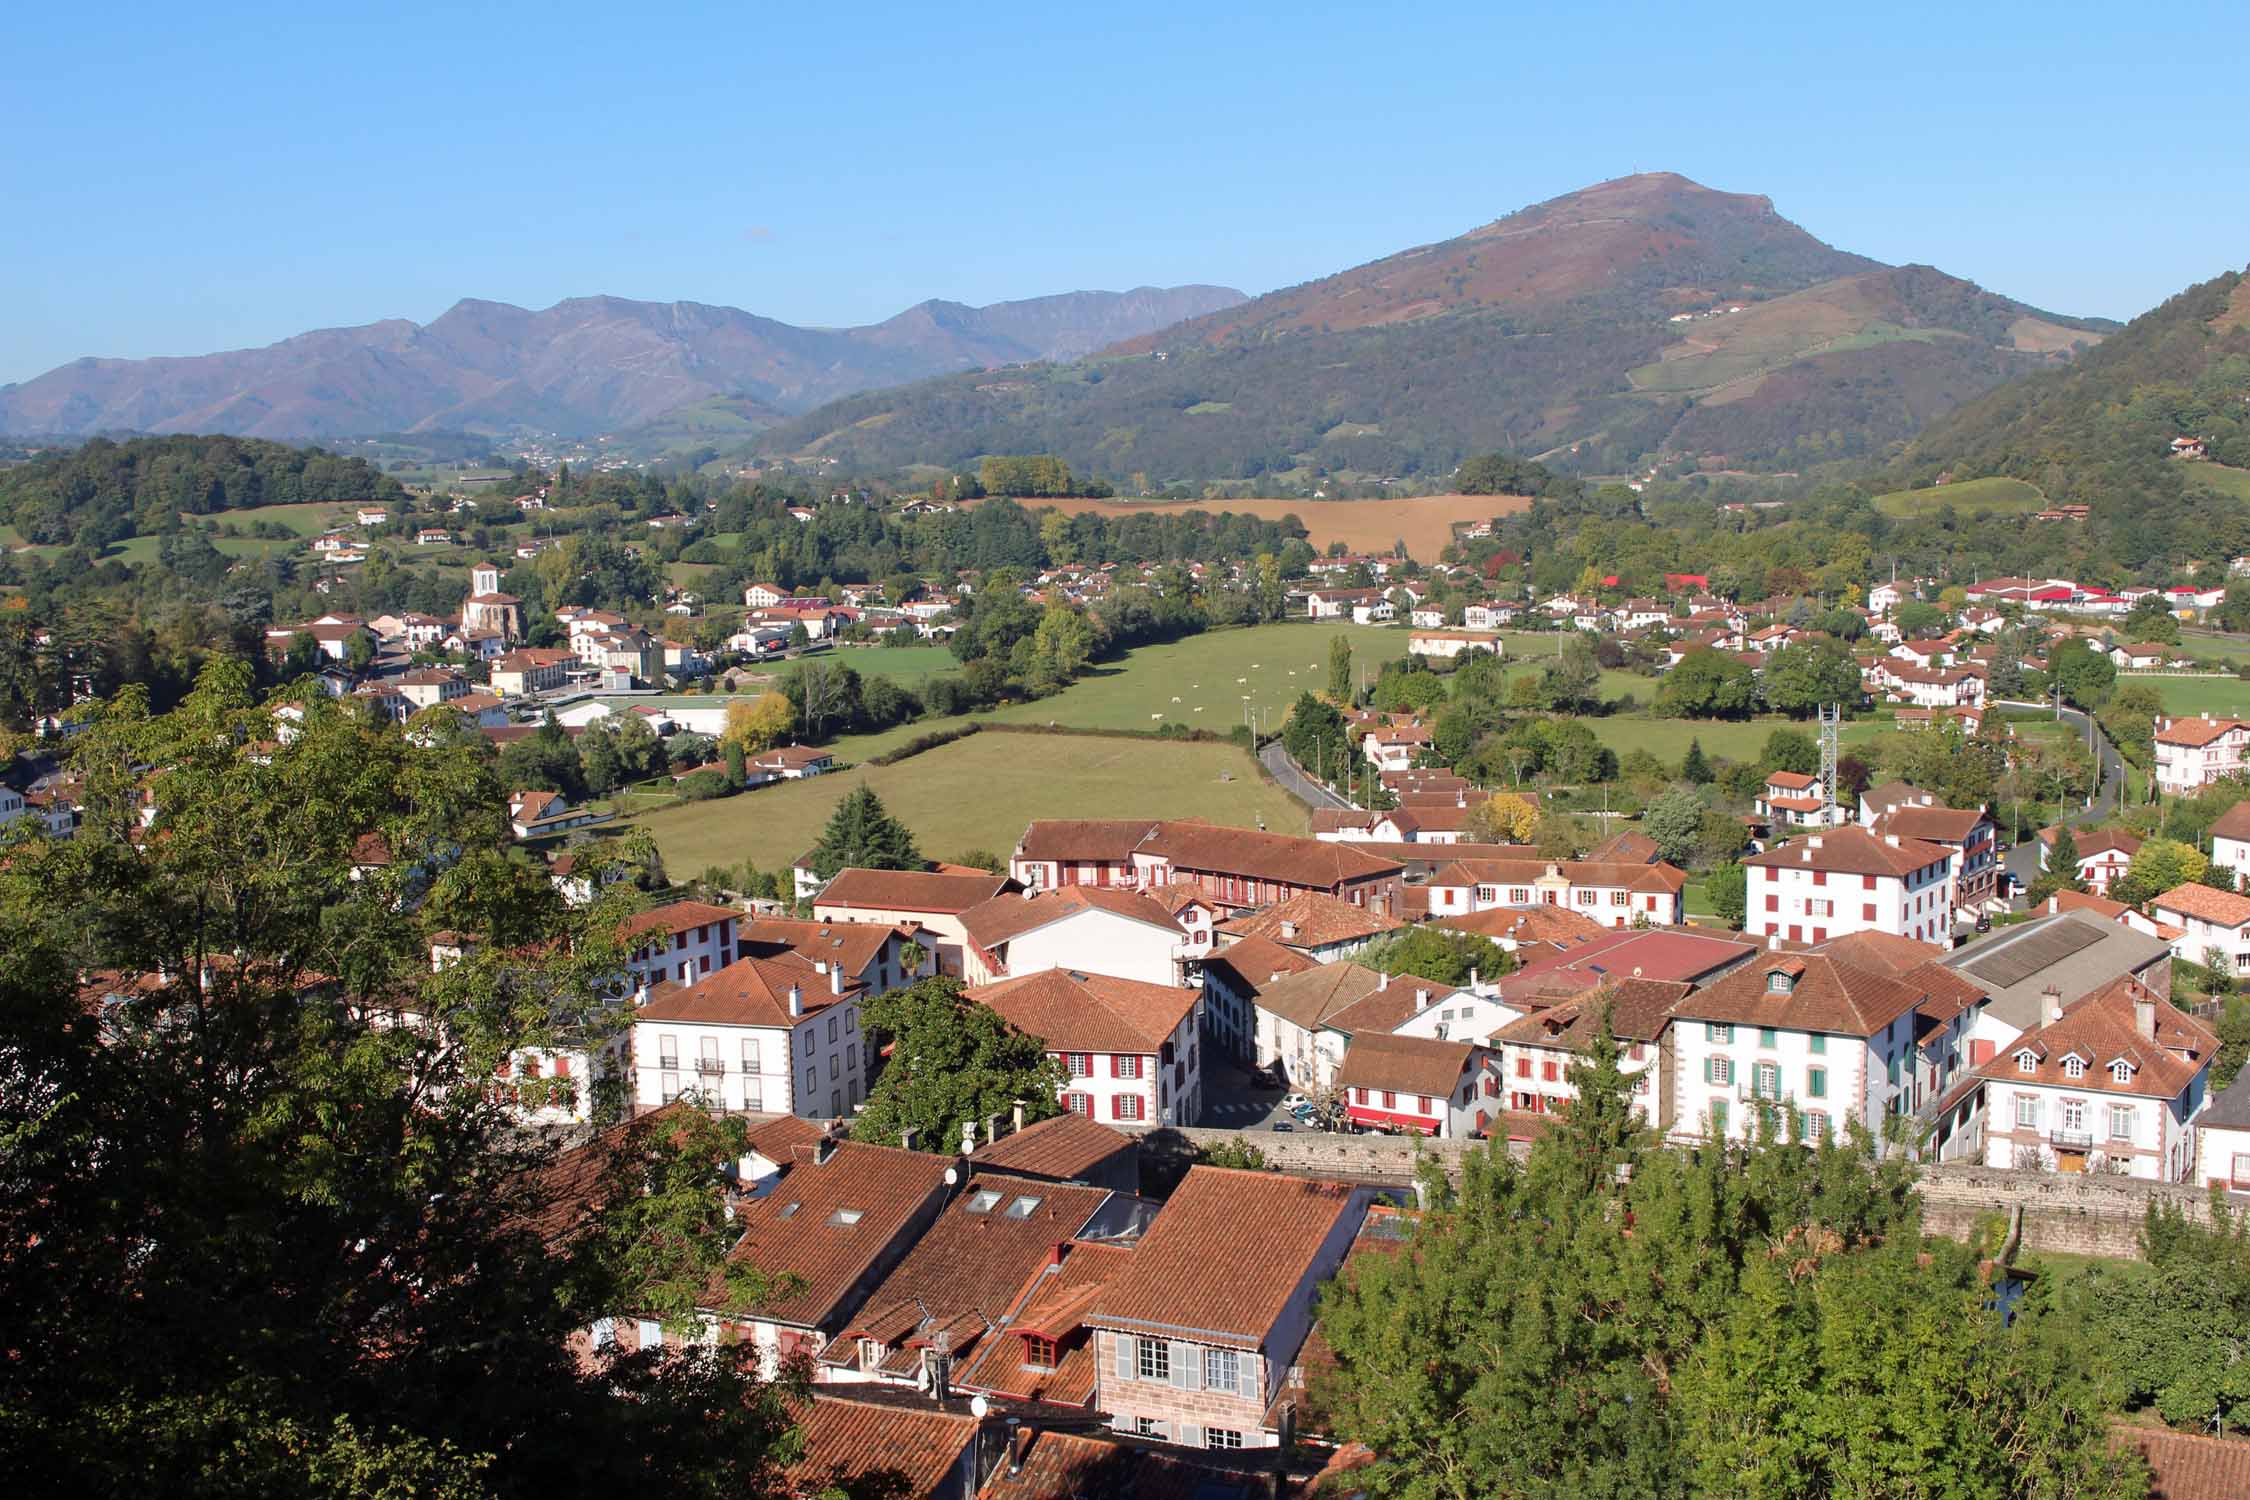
[1390,1099]
[1038,1353]
[812,1086]
[1773,902]
[1765,1036]
[982,1201]
[651,1333]
[1768,1080]
[1422,1104]
[1519,896]
[845,1218]
[1523,1069]
[835,1067]
[1816,1083]
[2074,1114]
[1079,1104]
[1718,1031]
[2074,1067]
[1718,1117]
[1127,1106]
[2121,1071]
[2121,1122]
[1549,1070]
[668,1087]
[1153,1360]
[2025,1062]
[1818,1044]
[832,1031]
[809,1039]
[668,1051]
[1125,1066]
[1222,1369]
[1221,1437]
[1078,1064]
[750,1057]
[1023,1207]
[1867,911]
[1718,1071]
[708,1054]
[2027,1111]
[1147,1427]
[1816,1126]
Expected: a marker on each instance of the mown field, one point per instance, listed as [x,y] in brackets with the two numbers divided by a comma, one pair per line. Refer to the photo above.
[979,793]
[1424,522]
[2218,477]
[2197,695]
[2004,496]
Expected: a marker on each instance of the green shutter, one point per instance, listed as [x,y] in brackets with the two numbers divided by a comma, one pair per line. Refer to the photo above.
[1707,1062]
[1819,1043]
[1816,1083]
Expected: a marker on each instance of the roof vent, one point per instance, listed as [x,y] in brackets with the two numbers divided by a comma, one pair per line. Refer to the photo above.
[1814,841]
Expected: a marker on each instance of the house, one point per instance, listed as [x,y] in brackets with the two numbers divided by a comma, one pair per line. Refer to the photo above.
[2070,953]
[793,762]
[841,1216]
[757,1035]
[1304,1022]
[1798,1043]
[2130,917]
[2191,753]
[1417,1086]
[1524,930]
[1331,604]
[1234,977]
[763,596]
[1537,1051]
[874,1441]
[1186,1356]
[1312,923]
[2109,1083]
[917,899]
[2211,922]
[534,669]
[1130,1050]
[425,687]
[1069,1147]
[2139,658]
[539,814]
[486,608]
[1686,956]
[948,1294]
[2222,1138]
[2104,854]
[1848,879]
[2230,841]
[682,941]
[1234,867]
[877,958]
[1446,645]
[1121,933]
[1967,834]
[1041,1353]
[1792,799]
[1617,893]
[1051,1464]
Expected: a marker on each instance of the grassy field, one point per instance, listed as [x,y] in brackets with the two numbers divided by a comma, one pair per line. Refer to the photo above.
[909,666]
[2215,647]
[2196,695]
[307,518]
[979,793]
[2218,477]
[1424,522]
[2004,496]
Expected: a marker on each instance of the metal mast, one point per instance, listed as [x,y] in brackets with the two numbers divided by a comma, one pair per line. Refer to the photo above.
[1831,721]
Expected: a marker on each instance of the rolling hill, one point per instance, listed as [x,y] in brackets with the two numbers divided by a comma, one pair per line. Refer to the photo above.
[585,366]
[1642,319]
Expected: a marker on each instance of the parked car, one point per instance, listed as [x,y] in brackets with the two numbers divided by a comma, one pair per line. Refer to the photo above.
[1282,1125]
[1295,1102]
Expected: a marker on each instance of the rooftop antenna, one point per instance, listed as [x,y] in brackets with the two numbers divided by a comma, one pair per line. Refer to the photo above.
[1831,721]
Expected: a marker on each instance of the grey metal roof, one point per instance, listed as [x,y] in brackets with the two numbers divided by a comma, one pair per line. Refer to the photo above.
[2075,951]
[2231,1109]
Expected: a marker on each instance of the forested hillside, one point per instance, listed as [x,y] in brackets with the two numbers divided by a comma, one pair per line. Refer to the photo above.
[2101,431]
[105,491]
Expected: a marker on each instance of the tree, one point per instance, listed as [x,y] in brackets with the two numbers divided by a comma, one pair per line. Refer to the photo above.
[1694,769]
[1503,818]
[2083,671]
[1675,822]
[1437,954]
[861,834]
[1708,684]
[1572,680]
[1313,733]
[948,1062]
[759,723]
[736,765]
[1799,679]
[1787,750]
[359,652]
[825,695]
[1340,671]
[348,1209]
[2160,865]
[1061,647]
[1728,890]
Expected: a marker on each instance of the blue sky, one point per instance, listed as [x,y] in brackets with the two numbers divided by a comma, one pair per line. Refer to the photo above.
[180,179]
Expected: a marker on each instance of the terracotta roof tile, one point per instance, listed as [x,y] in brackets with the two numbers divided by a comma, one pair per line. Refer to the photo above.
[878,1441]
[677,916]
[1639,1010]
[1880,952]
[991,923]
[1060,1465]
[1265,1230]
[1053,1302]
[1076,1012]
[2100,1030]
[1851,850]
[1310,919]
[1527,924]
[2190,1465]
[910,890]
[805,1227]
[853,944]
[1405,1064]
[1825,996]
[1256,962]
[2234,823]
[1059,1149]
[2220,908]
[748,992]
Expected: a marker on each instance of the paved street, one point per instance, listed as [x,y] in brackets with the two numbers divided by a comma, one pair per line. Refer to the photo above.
[1276,759]
[2022,860]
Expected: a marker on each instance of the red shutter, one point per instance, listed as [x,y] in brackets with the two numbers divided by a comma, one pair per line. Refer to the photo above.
[1116,1066]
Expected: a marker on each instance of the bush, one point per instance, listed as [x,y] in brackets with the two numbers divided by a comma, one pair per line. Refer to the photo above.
[702,786]
[922,743]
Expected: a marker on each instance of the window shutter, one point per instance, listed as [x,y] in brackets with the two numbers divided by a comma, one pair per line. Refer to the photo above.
[1187,1367]
[1191,1434]
[1707,1078]
[1124,1356]
[1246,1375]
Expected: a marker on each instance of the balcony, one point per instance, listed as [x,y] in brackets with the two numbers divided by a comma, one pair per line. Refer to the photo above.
[710,1066]
[2071,1140]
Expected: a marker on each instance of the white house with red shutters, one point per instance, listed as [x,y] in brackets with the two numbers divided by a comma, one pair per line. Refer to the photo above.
[1792,799]
[1418,1086]
[680,942]
[2192,753]
[1130,1049]
[1845,880]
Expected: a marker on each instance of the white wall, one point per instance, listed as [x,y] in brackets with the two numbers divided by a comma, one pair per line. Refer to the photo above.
[1094,941]
[760,1068]
[1821,905]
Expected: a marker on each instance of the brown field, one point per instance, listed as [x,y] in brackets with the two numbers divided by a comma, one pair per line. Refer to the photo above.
[1425,522]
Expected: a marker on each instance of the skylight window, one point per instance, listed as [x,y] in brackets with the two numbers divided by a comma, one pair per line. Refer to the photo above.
[787,1210]
[844,1218]
[983,1201]
[1022,1208]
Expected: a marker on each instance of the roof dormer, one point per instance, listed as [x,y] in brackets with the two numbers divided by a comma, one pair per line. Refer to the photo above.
[2121,1071]
[2027,1061]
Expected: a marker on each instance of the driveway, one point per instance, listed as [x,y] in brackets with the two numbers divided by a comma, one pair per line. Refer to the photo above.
[1276,759]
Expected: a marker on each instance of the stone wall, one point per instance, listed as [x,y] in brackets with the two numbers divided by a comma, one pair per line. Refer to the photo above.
[1316,1153]
[2075,1214]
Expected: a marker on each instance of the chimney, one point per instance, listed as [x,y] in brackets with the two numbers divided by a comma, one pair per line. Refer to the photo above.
[796,1000]
[2050,1005]
[1019,1445]
[823,1149]
[1891,839]
[991,1129]
[835,979]
[1288,930]
[1274,977]
[1421,999]
[1814,841]
[1383,982]
[2144,1014]
[906,1139]
[1472,979]
[1019,1114]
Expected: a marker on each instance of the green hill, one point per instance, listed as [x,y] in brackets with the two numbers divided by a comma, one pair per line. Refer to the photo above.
[1998,495]
[1642,319]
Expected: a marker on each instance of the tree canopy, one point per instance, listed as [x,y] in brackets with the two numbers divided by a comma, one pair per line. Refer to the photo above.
[862,834]
[948,1061]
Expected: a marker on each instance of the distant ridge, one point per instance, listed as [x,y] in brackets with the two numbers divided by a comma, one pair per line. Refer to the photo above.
[585,366]
[1643,320]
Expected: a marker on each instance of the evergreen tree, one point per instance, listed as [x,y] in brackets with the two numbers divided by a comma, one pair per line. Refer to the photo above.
[1340,671]
[861,834]
[737,766]
[1694,769]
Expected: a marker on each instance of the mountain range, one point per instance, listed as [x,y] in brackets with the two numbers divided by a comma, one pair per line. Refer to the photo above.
[585,366]
[1642,320]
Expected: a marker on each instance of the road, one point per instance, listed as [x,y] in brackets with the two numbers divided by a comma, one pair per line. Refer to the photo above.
[2022,860]
[1275,759]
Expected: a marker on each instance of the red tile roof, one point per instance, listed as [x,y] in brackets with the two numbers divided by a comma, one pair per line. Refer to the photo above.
[2190,1465]
[1880,952]
[1059,1149]
[748,992]
[1825,996]
[1226,1255]
[1310,919]
[1851,850]
[1060,1465]
[879,1440]
[1076,1012]
[1256,962]
[855,945]
[1405,1064]
[2234,823]
[1627,874]
[805,1227]
[992,923]
[1639,1009]
[1053,1303]
[2101,1030]
[2220,908]
[910,890]
[677,916]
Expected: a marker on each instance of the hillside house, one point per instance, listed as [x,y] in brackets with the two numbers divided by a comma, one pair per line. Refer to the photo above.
[1844,880]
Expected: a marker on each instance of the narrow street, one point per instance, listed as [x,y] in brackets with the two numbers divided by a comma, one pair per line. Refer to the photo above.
[2022,859]
[1276,759]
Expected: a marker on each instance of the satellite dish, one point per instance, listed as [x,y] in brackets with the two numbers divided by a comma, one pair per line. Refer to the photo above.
[952,1176]
[979,1407]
